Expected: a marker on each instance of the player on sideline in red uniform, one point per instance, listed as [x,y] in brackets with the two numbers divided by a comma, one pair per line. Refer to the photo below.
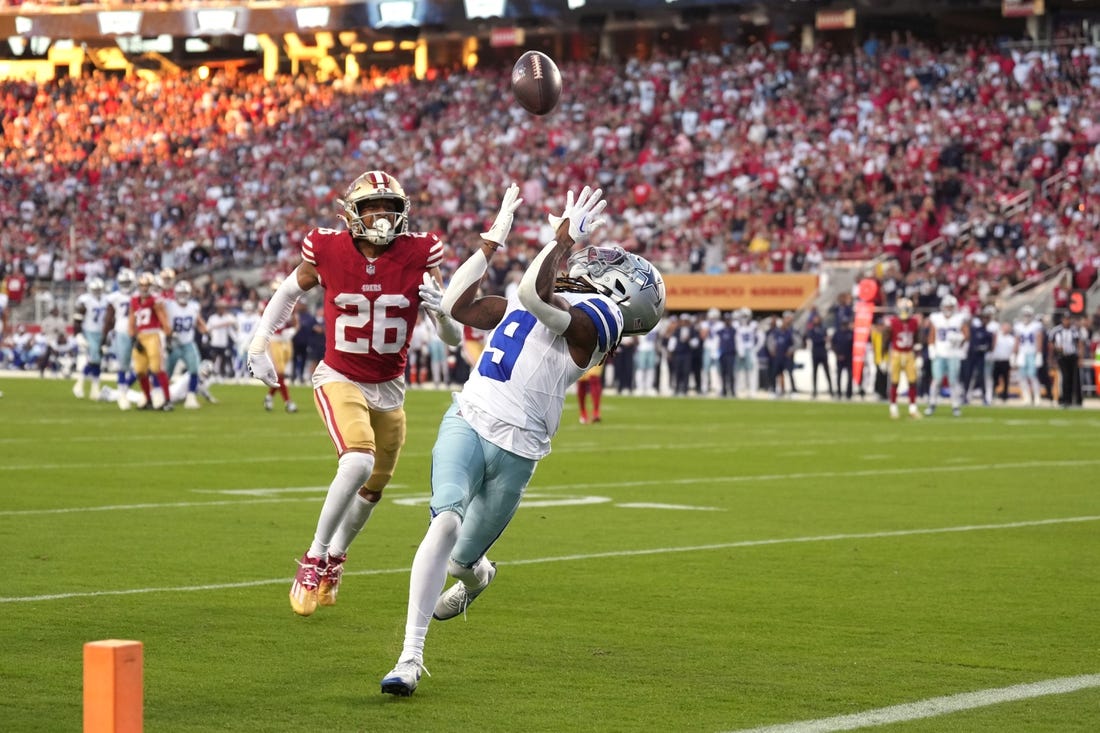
[376,275]
[902,333]
[148,325]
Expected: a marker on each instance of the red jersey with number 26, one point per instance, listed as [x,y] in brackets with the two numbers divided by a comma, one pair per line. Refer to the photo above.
[370,304]
[903,333]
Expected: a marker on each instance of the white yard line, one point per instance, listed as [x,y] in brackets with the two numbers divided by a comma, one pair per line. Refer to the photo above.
[798,476]
[588,556]
[934,706]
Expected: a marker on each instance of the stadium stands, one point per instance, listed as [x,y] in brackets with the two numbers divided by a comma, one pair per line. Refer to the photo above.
[756,161]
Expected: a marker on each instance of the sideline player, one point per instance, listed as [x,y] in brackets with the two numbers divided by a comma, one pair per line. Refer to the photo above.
[149,324]
[88,319]
[375,274]
[1030,347]
[947,337]
[902,334]
[117,326]
[185,318]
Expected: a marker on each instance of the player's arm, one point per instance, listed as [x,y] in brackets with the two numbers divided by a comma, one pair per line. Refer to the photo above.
[431,298]
[278,311]
[536,288]
[461,301]
[200,326]
[536,292]
[78,317]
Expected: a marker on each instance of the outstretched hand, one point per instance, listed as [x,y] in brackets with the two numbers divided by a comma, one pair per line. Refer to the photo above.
[503,223]
[583,213]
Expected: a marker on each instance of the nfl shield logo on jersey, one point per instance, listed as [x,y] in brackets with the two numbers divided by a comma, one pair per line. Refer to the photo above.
[370,269]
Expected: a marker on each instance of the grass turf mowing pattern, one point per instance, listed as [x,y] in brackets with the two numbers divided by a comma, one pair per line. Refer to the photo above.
[734,636]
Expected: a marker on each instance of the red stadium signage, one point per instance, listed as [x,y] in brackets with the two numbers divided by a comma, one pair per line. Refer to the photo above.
[504,37]
[835,20]
[726,292]
[1022,8]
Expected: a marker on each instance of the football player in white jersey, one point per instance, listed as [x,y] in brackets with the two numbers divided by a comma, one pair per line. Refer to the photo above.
[247,320]
[749,341]
[543,338]
[947,337]
[117,326]
[89,317]
[184,313]
[1030,347]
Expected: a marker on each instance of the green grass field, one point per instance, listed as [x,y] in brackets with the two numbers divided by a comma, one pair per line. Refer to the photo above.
[685,565]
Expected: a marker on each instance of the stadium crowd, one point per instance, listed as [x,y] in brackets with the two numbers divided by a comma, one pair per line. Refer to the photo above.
[749,160]
[754,160]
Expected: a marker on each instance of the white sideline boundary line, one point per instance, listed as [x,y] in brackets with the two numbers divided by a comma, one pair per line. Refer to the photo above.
[935,706]
[588,556]
[863,473]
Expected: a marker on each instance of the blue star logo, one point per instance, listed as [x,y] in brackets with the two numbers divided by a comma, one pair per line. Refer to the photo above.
[645,279]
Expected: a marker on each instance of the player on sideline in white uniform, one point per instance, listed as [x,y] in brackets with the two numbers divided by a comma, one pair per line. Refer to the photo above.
[543,338]
[1030,346]
[89,317]
[947,344]
[749,341]
[185,317]
[117,325]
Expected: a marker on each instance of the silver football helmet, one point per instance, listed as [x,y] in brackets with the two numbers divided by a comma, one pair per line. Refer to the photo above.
[949,304]
[95,285]
[629,280]
[126,280]
[367,192]
[183,292]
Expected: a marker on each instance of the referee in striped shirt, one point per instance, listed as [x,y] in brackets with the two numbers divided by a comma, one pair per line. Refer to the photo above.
[1068,341]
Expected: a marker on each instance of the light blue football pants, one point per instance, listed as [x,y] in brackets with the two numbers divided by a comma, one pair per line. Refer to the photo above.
[482,482]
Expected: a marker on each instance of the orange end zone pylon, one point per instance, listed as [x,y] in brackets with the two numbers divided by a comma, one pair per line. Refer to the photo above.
[113,686]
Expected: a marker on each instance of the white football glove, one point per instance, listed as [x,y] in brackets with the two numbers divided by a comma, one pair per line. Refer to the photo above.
[498,232]
[583,214]
[81,341]
[260,365]
[431,295]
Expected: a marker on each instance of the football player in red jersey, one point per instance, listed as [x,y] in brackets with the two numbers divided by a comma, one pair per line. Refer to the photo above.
[903,329]
[376,275]
[148,324]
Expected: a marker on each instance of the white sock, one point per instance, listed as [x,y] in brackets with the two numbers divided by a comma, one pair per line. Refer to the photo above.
[355,518]
[352,472]
[473,578]
[429,572]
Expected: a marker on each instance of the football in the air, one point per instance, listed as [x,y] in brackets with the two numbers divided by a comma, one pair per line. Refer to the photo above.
[536,83]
